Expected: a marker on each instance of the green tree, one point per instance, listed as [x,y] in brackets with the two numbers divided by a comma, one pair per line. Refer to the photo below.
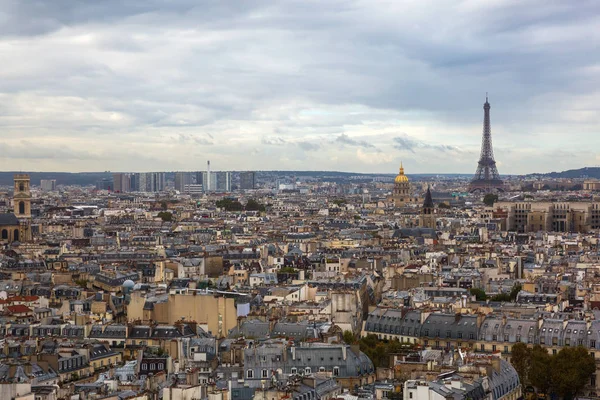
[515,291]
[571,370]
[229,205]
[501,297]
[253,205]
[165,216]
[539,368]
[489,199]
[478,293]
[520,359]
[349,337]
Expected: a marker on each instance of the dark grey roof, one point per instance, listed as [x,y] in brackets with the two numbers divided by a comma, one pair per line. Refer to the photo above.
[8,219]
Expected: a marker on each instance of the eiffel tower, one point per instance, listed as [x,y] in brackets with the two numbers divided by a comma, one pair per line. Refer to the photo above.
[486,179]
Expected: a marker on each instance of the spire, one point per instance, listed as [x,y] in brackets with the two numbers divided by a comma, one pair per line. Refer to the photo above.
[428,203]
[401,168]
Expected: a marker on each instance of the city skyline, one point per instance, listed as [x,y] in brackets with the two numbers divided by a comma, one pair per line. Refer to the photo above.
[340,86]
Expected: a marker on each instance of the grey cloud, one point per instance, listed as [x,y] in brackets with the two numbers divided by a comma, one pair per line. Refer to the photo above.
[346,140]
[273,141]
[30,151]
[411,144]
[300,70]
[308,146]
[183,138]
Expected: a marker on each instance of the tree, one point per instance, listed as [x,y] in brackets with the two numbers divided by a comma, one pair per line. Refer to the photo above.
[479,294]
[515,291]
[253,205]
[539,368]
[571,370]
[165,216]
[501,297]
[229,205]
[349,337]
[489,199]
[520,359]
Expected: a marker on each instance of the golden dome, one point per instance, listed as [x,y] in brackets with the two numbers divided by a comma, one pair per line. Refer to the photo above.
[401,178]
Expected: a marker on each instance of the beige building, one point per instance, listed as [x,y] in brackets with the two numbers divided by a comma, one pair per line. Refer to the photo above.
[530,216]
[401,194]
[217,313]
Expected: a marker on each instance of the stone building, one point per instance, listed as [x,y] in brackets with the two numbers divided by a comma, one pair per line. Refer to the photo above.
[427,218]
[531,216]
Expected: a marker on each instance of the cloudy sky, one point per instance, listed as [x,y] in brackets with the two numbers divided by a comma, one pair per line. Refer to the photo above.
[353,85]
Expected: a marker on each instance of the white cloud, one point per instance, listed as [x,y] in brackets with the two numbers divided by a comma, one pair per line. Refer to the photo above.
[297,85]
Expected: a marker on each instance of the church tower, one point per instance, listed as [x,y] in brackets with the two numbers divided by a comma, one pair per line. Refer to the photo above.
[427,218]
[401,193]
[22,206]
[22,196]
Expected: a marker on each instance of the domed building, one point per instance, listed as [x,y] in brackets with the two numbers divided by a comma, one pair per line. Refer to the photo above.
[401,193]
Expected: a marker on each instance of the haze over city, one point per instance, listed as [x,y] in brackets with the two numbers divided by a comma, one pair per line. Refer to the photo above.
[337,85]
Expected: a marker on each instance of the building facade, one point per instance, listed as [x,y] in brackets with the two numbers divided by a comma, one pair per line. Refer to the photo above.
[528,216]
[247,180]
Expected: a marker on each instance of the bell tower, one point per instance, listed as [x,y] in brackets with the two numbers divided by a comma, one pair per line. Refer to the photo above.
[427,218]
[22,196]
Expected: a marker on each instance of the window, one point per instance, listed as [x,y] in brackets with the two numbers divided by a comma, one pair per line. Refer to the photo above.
[152,367]
[249,374]
[307,371]
[265,373]
[448,334]
[593,344]
[336,371]
[294,371]
[144,367]
[410,395]
[506,338]
[321,369]
[471,336]
[494,347]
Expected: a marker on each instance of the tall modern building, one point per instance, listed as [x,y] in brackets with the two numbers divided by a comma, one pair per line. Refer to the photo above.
[248,180]
[486,179]
[183,179]
[48,185]
[218,181]
[104,184]
[121,183]
[148,182]
[222,181]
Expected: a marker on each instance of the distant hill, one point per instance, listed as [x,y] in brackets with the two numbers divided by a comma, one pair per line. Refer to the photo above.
[587,172]
[62,178]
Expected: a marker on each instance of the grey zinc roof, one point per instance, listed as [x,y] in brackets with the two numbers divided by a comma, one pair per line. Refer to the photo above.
[8,219]
[451,326]
[511,328]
